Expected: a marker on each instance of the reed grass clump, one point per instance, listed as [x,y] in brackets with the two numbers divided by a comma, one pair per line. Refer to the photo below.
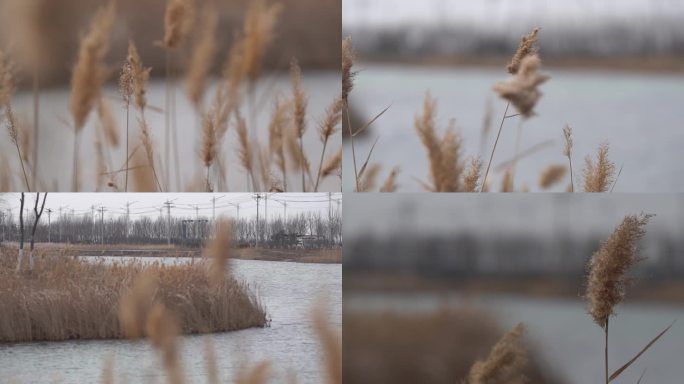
[505,361]
[66,298]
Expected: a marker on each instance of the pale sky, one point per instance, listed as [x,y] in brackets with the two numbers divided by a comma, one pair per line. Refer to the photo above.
[496,12]
[183,204]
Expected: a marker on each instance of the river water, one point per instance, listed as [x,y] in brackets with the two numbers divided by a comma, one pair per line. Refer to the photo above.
[639,114]
[563,335]
[288,291]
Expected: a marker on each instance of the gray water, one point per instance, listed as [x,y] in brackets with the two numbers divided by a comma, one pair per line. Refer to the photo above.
[639,114]
[56,142]
[288,291]
[569,343]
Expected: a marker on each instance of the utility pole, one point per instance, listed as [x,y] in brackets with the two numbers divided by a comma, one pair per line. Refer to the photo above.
[128,213]
[330,240]
[102,211]
[197,236]
[258,234]
[168,221]
[49,212]
[213,208]
[266,214]
[61,218]
[93,238]
[238,209]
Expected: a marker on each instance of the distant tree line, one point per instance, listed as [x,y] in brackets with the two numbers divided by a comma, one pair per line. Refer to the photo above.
[303,229]
[470,254]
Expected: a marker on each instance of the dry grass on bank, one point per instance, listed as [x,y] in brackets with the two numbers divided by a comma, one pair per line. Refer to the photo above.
[64,298]
[438,347]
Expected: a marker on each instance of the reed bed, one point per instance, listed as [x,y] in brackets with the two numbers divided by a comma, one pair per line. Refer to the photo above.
[447,151]
[190,35]
[449,345]
[65,298]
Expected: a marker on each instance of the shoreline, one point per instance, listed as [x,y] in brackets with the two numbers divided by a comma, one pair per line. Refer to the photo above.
[662,64]
[307,256]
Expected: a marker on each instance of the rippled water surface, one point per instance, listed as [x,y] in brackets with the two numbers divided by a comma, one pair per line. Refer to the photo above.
[287,290]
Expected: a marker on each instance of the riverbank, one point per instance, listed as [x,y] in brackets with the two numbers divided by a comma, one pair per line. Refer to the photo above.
[664,290]
[659,64]
[297,255]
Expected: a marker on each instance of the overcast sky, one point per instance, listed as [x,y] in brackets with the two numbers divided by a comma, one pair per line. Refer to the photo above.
[183,204]
[496,12]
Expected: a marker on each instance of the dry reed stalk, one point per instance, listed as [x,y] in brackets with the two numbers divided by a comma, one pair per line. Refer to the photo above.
[258,31]
[276,142]
[606,281]
[108,121]
[202,57]
[471,176]
[209,146]
[333,117]
[600,175]
[89,74]
[245,152]
[259,374]
[108,370]
[178,22]
[332,165]
[146,139]
[5,179]
[126,89]
[7,87]
[390,184]
[162,330]
[551,175]
[507,181]
[219,250]
[141,173]
[505,362]
[567,151]
[210,360]
[135,305]
[228,93]
[369,177]
[299,104]
[348,58]
[100,164]
[521,89]
[486,124]
[331,343]
[528,46]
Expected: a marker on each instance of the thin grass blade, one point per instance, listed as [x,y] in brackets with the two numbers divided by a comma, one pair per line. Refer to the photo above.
[621,369]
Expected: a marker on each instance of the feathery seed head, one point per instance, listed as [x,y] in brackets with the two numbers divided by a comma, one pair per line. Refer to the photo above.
[528,46]
[521,89]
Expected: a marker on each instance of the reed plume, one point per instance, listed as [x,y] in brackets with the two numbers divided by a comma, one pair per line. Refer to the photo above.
[108,121]
[89,74]
[331,343]
[567,151]
[146,139]
[444,154]
[505,362]
[332,165]
[606,281]
[328,127]
[598,176]
[471,177]
[507,180]
[521,89]
[551,175]
[369,177]
[299,104]
[390,184]
[201,60]
[126,89]
[348,75]
[528,46]
[209,145]
[140,75]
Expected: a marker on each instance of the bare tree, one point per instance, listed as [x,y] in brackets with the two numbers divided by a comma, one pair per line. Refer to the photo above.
[21,233]
[36,216]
